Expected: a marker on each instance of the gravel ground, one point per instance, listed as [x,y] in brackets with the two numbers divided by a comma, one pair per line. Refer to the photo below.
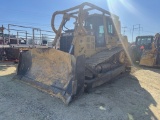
[135,97]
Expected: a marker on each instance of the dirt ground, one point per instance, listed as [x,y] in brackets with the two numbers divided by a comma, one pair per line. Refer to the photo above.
[130,97]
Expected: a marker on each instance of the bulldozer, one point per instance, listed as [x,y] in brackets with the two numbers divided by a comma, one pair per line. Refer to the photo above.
[146,50]
[87,56]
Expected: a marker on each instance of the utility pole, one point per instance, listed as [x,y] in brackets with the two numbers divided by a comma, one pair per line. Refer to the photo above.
[124,29]
[140,29]
[2,31]
[137,26]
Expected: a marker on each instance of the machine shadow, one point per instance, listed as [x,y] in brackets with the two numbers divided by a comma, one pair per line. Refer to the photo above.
[127,93]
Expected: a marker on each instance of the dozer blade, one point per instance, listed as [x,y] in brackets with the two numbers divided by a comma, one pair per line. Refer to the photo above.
[53,71]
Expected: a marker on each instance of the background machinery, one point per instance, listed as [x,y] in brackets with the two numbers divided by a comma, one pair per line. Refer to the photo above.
[7,53]
[85,56]
[14,38]
[146,50]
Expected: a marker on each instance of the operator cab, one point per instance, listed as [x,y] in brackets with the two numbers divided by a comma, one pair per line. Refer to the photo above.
[96,25]
[145,41]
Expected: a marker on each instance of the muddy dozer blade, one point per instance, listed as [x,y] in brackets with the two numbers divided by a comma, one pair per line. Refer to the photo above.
[53,71]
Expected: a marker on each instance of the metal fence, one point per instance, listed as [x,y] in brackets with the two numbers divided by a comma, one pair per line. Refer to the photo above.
[24,36]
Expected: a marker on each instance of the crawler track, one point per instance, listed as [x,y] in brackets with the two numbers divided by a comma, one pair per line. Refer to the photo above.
[102,57]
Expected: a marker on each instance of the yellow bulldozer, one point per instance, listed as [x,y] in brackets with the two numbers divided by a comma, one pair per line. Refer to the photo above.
[146,50]
[90,54]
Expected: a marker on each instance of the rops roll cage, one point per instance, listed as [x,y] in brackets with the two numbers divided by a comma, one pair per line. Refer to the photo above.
[79,13]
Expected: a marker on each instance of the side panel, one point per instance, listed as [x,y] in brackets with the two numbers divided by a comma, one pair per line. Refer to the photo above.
[84,45]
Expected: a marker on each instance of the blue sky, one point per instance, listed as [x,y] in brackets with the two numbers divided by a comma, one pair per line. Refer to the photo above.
[37,13]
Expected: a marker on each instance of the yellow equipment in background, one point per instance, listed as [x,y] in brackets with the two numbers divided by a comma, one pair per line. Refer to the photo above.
[152,57]
[85,56]
[146,50]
